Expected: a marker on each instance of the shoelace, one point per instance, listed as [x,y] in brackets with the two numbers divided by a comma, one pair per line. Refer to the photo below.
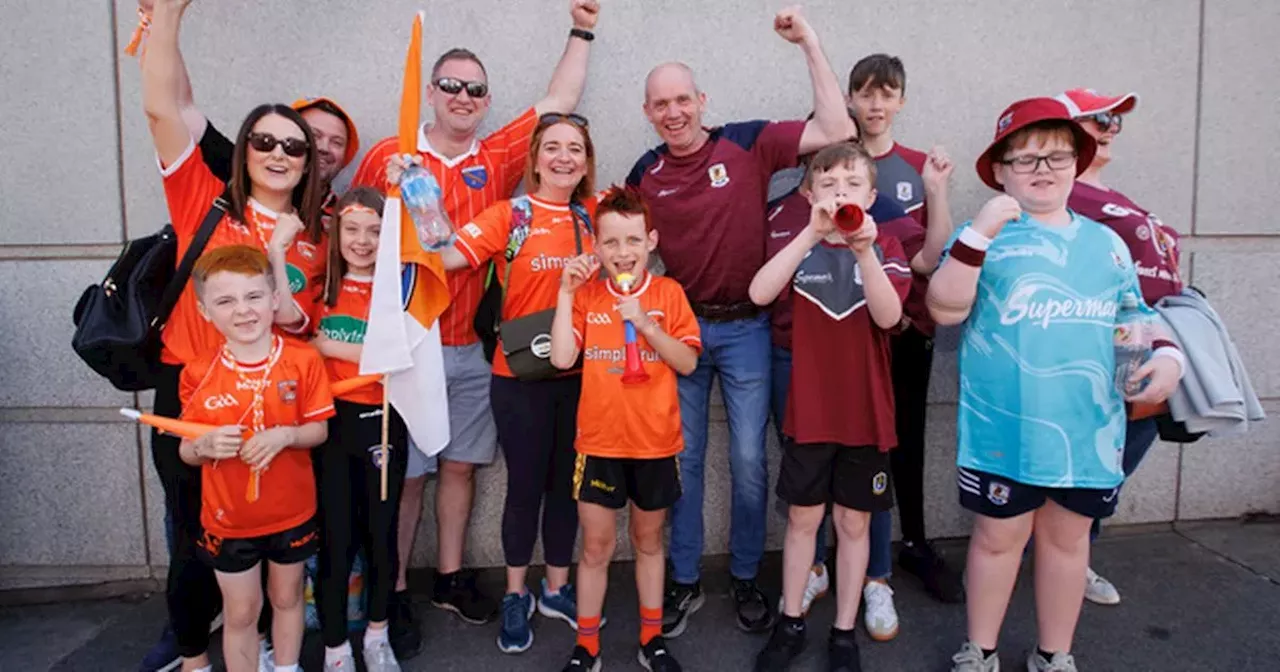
[1062,663]
[970,658]
[878,596]
[513,614]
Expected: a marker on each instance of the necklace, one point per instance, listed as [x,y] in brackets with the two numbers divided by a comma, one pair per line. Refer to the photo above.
[256,413]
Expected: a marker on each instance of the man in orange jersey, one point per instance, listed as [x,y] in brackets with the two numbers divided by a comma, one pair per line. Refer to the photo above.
[628,430]
[473,174]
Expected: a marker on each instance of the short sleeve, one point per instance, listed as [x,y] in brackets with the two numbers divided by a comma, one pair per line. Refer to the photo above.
[189,381]
[513,141]
[189,190]
[895,265]
[373,168]
[317,401]
[775,144]
[308,301]
[682,325]
[907,231]
[580,316]
[484,237]
[218,150]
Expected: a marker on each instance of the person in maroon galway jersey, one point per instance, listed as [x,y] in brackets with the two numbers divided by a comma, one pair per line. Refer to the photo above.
[707,189]
[1152,244]
[847,291]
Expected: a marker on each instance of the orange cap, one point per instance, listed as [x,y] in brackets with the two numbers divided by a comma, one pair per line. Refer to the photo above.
[353,138]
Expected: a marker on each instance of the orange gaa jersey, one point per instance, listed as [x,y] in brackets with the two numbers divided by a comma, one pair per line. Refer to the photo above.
[346,321]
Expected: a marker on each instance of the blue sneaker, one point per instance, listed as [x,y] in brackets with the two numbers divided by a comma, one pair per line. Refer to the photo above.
[562,604]
[516,636]
[164,655]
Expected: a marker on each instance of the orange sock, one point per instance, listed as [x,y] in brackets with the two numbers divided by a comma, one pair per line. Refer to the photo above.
[589,634]
[650,624]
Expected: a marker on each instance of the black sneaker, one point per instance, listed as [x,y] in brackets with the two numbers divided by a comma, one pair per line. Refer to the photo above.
[754,613]
[457,592]
[786,642]
[655,657]
[681,601]
[842,652]
[582,661]
[405,635]
[940,581]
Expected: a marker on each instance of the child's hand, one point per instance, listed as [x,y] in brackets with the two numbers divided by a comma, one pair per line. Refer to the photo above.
[630,310]
[860,241]
[397,164]
[792,26]
[1164,374]
[822,217]
[288,226]
[219,444]
[263,447]
[578,272]
[995,214]
[937,170]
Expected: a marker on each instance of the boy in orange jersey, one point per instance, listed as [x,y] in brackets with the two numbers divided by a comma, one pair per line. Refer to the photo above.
[258,495]
[628,433]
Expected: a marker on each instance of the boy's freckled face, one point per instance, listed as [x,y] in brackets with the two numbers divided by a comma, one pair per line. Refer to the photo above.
[845,184]
[241,307]
[875,107]
[622,244]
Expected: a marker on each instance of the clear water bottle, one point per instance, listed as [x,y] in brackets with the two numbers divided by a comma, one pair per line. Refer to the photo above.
[1132,344]
[422,197]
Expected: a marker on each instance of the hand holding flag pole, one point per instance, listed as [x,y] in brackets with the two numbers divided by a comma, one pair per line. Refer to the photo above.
[193,431]
[634,372]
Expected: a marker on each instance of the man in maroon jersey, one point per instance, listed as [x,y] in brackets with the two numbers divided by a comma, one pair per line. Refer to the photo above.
[707,188]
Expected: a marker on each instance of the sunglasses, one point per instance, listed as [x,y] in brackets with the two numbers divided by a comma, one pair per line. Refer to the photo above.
[453,86]
[265,142]
[556,117]
[1104,120]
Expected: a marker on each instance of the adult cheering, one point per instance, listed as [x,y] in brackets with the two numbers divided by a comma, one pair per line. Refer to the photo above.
[707,189]
[473,174]
[274,205]
[1152,244]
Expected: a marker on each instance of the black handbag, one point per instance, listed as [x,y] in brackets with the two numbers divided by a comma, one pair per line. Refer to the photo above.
[526,341]
[118,320]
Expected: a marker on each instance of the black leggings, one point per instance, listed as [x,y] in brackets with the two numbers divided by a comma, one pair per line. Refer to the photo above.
[192,591]
[537,423]
[353,516]
[912,360]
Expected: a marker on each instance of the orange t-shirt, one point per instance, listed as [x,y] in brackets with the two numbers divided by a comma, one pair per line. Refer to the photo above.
[485,175]
[189,188]
[637,421]
[220,391]
[536,270]
[347,321]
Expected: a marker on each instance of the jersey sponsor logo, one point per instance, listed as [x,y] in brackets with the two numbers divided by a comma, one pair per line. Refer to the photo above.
[297,280]
[719,175]
[539,232]
[307,250]
[998,493]
[879,483]
[596,353]
[472,230]
[599,319]
[475,176]
[545,262]
[220,401]
[1154,272]
[663,193]
[1043,305]
[905,191]
[807,278]
[250,385]
[779,234]
[288,391]
[343,328]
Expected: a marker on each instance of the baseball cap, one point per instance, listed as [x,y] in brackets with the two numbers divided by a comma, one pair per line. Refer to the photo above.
[353,139]
[1025,113]
[1085,102]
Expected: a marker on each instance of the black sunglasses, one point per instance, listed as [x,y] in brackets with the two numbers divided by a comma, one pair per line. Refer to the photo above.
[1106,119]
[453,86]
[265,142]
[556,117]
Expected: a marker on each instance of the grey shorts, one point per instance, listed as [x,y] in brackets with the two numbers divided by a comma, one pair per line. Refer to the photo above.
[473,438]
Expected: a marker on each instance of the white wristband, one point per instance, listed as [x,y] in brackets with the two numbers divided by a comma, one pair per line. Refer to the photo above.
[974,239]
[1175,354]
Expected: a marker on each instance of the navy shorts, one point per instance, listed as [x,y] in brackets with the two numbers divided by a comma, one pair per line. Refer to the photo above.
[999,497]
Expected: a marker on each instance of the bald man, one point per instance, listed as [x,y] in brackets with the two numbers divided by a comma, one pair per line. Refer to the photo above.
[707,190]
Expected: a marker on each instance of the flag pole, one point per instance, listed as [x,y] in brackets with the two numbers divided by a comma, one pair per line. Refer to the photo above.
[386,419]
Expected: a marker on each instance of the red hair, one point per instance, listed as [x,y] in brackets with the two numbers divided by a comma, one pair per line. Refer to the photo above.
[239,259]
[624,201]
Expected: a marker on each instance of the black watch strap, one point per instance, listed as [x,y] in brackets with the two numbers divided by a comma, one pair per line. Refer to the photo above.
[582,33]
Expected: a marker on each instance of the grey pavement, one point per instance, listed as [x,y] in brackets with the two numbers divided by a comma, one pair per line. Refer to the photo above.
[1203,596]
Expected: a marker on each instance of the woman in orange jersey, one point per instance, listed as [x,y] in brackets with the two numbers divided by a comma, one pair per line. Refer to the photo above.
[534,404]
[274,203]
[353,515]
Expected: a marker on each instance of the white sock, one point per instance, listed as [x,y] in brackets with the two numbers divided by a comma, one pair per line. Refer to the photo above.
[287,668]
[335,653]
[264,647]
[374,635]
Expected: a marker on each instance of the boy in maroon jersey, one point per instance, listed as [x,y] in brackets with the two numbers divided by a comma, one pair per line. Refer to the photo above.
[848,289]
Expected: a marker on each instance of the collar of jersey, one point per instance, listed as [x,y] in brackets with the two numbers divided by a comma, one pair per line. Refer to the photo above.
[425,147]
[358,278]
[1065,231]
[262,209]
[648,279]
[277,346]
[561,207]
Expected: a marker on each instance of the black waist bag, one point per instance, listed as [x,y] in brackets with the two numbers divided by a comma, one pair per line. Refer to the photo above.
[118,320]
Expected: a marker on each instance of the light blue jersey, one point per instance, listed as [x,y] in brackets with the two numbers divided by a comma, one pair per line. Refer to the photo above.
[1038,403]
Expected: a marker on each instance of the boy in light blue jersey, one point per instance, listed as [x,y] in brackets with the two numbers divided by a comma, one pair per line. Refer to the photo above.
[1041,292]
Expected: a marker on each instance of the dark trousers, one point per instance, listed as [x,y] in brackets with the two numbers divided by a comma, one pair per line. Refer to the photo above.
[912,363]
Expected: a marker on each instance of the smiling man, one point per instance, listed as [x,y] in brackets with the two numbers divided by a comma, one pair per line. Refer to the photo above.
[707,190]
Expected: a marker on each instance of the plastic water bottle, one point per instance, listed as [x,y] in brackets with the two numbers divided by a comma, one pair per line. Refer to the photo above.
[422,197]
[1132,344]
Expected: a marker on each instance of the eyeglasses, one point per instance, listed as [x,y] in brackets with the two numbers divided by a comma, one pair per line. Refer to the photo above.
[556,117]
[1023,165]
[1104,120]
[265,142]
[453,86]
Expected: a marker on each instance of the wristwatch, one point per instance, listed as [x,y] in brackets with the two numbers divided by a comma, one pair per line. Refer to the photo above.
[582,33]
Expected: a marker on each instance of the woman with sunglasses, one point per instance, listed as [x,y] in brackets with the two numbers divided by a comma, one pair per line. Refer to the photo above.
[274,204]
[536,414]
[1152,244]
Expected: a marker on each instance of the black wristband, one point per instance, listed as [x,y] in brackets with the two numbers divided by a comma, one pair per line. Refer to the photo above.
[582,33]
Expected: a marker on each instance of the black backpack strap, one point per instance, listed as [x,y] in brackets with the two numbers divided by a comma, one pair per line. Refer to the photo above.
[183,273]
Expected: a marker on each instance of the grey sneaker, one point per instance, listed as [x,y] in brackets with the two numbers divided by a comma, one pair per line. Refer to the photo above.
[1062,662]
[346,663]
[1098,590]
[378,657]
[969,659]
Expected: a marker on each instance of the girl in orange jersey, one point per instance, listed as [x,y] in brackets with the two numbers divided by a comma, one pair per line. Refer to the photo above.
[353,515]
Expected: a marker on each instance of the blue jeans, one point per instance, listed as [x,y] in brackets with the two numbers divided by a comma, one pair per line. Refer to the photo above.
[739,352]
[1139,435]
[880,562]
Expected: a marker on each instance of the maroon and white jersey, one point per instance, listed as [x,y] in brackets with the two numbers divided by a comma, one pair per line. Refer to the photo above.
[1152,243]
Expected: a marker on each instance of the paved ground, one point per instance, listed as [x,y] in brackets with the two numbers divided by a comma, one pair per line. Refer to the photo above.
[1203,597]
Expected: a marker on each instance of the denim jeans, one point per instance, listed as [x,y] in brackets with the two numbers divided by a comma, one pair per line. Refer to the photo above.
[1139,435]
[738,352]
[880,562]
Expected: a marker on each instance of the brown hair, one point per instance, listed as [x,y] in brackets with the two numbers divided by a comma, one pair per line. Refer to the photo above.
[1044,130]
[307,198]
[337,267]
[240,259]
[624,201]
[531,180]
[456,54]
[878,70]
[846,154]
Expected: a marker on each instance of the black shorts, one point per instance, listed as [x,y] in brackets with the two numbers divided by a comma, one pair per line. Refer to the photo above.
[999,497]
[855,477]
[653,485]
[231,556]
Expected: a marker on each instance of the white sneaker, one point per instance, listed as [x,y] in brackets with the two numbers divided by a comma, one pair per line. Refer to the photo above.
[1062,662]
[1099,590]
[344,663]
[378,657]
[881,616]
[970,659]
[266,659]
[817,585]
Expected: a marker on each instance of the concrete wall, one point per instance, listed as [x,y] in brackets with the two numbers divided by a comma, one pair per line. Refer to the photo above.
[79,500]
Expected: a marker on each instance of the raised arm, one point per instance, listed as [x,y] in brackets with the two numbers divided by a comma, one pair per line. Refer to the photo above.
[161,82]
[831,122]
[777,273]
[955,285]
[938,227]
[570,76]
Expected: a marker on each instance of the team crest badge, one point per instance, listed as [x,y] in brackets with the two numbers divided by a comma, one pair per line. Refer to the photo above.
[475,176]
[1004,122]
[998,493]
[719,175]
[375,454]
[879,483]
[288,390]
[905,191]
[1143,232]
